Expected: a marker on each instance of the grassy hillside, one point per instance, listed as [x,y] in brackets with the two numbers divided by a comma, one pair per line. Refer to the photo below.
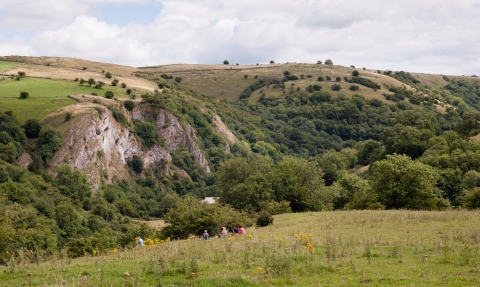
[5,65]
[381,248]
[45,96]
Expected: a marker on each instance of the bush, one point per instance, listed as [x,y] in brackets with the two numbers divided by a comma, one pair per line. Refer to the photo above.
[329,78]
[355,73]
[328,62]
[245,76]
[178,80]
[123,85]
[108,75]
[129,105]
[272,62]
[226,62]
[147,131]
[338,79]
[129,92]
[109,95]
[68,116]
[32,128]
[166,77]
[264,219]
[291,78]
[320,79]
[286,73]
[137,164]
[22,74]
[354,88]
[472,199]
[336,87]
[23,95]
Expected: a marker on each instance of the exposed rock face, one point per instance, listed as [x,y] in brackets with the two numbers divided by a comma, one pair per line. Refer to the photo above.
[175,135]
[99,147]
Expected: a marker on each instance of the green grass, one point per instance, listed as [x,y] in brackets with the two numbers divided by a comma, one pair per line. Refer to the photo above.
[45,96]
[342,248]
[5,65]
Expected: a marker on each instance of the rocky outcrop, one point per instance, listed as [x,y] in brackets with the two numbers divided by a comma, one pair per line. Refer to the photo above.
[175,135]
[95,144]
[219,127]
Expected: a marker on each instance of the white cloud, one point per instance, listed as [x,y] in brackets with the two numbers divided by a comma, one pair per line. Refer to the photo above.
[426,36]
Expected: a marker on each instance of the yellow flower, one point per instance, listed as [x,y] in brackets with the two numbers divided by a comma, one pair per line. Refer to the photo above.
[259,268]
[94,252]
[349,279]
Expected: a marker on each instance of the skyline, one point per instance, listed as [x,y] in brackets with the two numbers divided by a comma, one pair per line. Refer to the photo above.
[429,37]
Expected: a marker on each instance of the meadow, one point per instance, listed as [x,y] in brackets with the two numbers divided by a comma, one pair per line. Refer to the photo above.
[5,65]
[341,248]
[45,96]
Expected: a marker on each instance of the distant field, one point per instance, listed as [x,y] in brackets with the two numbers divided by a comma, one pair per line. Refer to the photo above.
[45,96]
[5,65]
[340,248]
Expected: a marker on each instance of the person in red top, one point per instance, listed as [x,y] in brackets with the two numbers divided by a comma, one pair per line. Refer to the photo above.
[241,230]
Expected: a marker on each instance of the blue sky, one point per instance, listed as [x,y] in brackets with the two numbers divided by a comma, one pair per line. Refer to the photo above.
[123,14]
[431,36]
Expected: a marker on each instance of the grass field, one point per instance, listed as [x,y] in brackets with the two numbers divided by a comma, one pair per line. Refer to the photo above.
[5,65]
[355,248]
[45,96]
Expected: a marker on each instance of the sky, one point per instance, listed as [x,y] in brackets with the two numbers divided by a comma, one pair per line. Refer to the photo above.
[429,36]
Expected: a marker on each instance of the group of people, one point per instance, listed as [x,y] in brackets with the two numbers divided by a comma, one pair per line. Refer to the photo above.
[236,231]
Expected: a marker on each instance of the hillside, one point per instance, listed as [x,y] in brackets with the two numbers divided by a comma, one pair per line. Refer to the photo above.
[82,163]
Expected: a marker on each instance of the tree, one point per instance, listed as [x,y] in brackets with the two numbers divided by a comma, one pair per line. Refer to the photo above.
[178,79]
[72,183]
[82,81]
[354,88]
[400,182]
[129,92]
[129,105]
[226,62]
[272,62]
[137,164]
[24,95]
[338,79]
[108,75]
[50,141]
[320,79]
[123,85]
[328,62]
[109,95]
[91,81]
[355,73]
[336,87]
[32,128]
[319,62]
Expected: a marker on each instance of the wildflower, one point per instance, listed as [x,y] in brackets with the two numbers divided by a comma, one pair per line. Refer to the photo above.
[94,252]
[349,279]
[194,274]
[259,268]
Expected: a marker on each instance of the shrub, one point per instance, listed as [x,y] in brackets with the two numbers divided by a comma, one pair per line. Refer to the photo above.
[272,62]
[472,199]
[109,95]
[286,73]
[166,77]
[178,80]
[108,75]
[137,164]
[245,76]
[99,85]
[82,81]
[291,78]
[91,81]
[68,116]
[226,62]
[338,79]
[336,87]
[329,78]
[129,105]
[328,62]
[23,95]
[147,131]
[354,88]
[114,82]
[76,80]
[129,91]
[355,73]
[84,68]
[320,79]
[22,74]
[264,219]
[319,62]
[32,128]
[124,85]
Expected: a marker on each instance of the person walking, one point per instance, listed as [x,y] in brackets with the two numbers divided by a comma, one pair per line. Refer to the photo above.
[205,235]
[224,232]
[140,242]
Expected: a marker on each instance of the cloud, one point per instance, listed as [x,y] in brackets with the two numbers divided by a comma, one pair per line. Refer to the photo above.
[426,36]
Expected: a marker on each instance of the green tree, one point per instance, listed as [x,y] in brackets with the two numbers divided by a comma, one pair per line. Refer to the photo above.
[147,131]
[226,62]
[32,128]
[328,62]
[355,73]
[336,87]
[400,182]
[129,105]
[72,183]
[109,95]
[108,75]
[24,95]
[137,164]
[67,218]
[50,141]
[91,81]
